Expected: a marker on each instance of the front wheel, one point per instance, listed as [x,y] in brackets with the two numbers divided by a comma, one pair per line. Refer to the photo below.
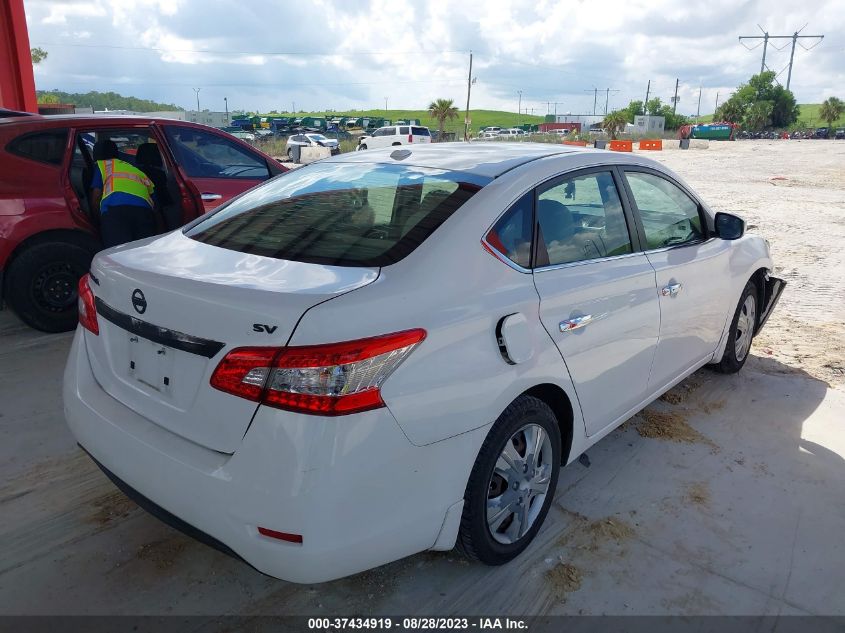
[362,147]
[512,483]
[741,333]
[290,154]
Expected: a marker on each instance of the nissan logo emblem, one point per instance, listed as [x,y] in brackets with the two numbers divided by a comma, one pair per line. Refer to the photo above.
[139,302]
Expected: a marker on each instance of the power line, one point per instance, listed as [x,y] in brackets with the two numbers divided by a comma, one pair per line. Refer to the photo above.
[794,37]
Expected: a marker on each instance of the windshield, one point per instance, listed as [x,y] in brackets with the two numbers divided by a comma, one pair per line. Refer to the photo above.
[343,214]
[317,137]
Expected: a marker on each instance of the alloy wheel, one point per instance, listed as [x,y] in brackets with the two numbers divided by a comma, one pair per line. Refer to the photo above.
[745,327]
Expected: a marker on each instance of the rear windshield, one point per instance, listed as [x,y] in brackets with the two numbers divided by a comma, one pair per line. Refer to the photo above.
[420,131]
[342,214]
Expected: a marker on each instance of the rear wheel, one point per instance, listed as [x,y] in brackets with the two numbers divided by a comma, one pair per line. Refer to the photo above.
[41,284]
[290,154]
[512,483]
[362,146]
[741,333]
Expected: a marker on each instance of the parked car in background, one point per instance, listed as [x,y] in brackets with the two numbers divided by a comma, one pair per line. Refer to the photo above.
[494,129]
[560,133]
[840,133]
[48,232]
[244,136]
[512,133]
[395,135]
[488,136]
[822,132]
[312,139]
[455,324]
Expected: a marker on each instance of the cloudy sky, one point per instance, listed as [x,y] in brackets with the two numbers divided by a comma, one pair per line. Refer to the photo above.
[352,54]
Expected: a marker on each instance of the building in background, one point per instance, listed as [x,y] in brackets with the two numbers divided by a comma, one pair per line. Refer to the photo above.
[208,117]
[647,125]
[586,121]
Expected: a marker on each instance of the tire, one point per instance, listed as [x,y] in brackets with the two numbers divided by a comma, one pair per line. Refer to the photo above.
[362,147]
[290,155]
[741,333]
[505,539]
[41,284]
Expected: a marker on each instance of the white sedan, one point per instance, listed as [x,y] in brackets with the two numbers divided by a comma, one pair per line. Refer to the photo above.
[394,351]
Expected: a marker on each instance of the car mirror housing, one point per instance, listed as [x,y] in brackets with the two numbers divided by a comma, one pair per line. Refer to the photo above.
[729,227]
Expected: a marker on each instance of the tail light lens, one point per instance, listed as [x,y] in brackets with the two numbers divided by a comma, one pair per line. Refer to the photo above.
[333,379]
[86,309]
[410,138]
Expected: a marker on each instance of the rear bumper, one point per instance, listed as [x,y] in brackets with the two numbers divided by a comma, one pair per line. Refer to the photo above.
[355,488]
[771,294]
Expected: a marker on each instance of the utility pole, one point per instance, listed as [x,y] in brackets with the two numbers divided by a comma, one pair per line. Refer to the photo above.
[607,98]
[645,103]
[469,89]
[197,90]
[226,106]
[717,103]
[698,112]
[595,96]
[385,105]
[675,98]
[519,108]
[794,37]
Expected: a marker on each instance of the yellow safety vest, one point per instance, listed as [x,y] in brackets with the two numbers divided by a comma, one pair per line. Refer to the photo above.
[120,176]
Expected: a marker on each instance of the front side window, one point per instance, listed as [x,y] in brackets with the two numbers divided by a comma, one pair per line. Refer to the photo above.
[511,235]
[581,218]
[207,155]
[45,147]
[669,215]
[343,214]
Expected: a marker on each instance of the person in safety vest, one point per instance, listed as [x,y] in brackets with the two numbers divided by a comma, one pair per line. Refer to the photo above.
[123,196]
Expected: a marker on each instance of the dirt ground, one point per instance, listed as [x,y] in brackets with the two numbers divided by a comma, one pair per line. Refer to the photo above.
[726,496]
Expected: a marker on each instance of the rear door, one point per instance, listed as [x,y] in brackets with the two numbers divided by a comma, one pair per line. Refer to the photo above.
[693,279]
[219,168]
[597,293]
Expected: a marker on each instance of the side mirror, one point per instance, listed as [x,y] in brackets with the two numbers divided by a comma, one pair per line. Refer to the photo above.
[729,227]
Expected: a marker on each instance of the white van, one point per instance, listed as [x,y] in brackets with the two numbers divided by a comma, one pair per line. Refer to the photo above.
[395,135]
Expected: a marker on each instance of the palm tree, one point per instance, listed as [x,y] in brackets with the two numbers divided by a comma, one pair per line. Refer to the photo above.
[832,108]
[615,122]
[442,109]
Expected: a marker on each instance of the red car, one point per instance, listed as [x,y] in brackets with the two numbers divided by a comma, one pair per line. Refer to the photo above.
[48,234]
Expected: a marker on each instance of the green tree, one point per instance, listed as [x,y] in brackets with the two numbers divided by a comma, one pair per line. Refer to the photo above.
[732,110]
[110,100]
[614,123]
[442,109]
[759,115]
[832,108]
[38,55]
[635,108]
[48,97]
[653,106]
[761,88]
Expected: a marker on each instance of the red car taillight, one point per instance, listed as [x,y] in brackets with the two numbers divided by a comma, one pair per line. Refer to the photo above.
[332,379]
[410,138]
[86,309]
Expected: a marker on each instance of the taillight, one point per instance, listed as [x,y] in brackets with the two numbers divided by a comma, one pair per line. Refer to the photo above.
[410,138]
[332,379]
[86,309]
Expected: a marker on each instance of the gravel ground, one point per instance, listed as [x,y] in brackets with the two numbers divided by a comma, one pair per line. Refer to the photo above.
[725,496]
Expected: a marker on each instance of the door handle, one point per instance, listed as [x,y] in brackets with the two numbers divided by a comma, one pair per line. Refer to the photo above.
[210,197]
[671,290]
[575,323]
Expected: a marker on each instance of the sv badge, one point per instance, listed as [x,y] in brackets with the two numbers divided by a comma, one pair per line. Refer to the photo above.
[260,327]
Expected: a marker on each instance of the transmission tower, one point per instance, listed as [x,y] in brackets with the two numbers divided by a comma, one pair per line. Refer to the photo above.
[795,37]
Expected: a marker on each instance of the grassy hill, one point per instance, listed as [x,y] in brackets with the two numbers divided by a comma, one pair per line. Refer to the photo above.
[809,116]
[102,101]
[480,118]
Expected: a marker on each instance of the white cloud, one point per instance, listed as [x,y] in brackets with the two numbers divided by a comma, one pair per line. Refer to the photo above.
[554,52]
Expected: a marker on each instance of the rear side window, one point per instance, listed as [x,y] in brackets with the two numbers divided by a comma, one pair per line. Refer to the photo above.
[342,214]
[511,235]
[45,147]
[420,131]
[404,130]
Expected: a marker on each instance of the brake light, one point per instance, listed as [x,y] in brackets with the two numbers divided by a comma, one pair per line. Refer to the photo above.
[410,138]
[86,308]
[333,379]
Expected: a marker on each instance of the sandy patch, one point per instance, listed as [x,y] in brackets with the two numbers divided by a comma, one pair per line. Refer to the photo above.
[698,494]
[670,426]
[564,578]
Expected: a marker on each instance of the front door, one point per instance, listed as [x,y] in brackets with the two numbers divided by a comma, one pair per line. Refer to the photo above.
[219,168]
[597,295]
[693,280]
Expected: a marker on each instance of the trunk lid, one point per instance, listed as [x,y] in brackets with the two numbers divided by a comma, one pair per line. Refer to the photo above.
[171,308]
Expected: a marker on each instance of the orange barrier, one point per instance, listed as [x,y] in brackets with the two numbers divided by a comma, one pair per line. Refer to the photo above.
[621,146]
[656,144]
[578,143]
